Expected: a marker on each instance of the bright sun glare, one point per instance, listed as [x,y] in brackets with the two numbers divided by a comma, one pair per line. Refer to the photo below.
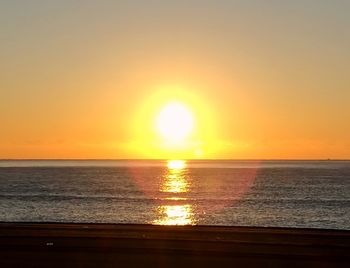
[175,122]
[176,164]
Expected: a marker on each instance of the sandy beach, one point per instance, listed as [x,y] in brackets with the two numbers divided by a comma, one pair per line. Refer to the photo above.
[111,245]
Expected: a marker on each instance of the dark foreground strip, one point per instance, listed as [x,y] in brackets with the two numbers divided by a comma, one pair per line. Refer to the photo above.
[108,245]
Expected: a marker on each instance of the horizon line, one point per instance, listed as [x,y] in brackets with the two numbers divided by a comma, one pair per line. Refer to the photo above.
[166,159]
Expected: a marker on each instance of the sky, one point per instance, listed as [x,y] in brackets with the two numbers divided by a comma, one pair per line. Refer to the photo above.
[261,79]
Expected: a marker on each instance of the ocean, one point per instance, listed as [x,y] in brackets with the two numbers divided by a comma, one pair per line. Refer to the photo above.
[300,194]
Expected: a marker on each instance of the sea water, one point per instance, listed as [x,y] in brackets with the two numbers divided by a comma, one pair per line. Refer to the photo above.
[301,194]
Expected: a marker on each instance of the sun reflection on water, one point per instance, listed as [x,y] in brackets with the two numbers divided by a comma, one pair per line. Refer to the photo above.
[176,164]
[174,180]
[175,215]
[174,183]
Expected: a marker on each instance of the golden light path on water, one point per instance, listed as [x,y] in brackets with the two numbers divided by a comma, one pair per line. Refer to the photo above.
[174,182]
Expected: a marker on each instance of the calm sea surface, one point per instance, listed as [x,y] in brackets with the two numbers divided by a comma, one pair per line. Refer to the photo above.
[312,194]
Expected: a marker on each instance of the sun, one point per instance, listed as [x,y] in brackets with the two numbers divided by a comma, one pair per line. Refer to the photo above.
[175,122]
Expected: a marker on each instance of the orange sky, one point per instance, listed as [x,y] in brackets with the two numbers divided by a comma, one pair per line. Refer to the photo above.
[87,79]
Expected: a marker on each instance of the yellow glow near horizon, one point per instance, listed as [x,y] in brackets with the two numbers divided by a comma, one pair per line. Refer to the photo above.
[175,122]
